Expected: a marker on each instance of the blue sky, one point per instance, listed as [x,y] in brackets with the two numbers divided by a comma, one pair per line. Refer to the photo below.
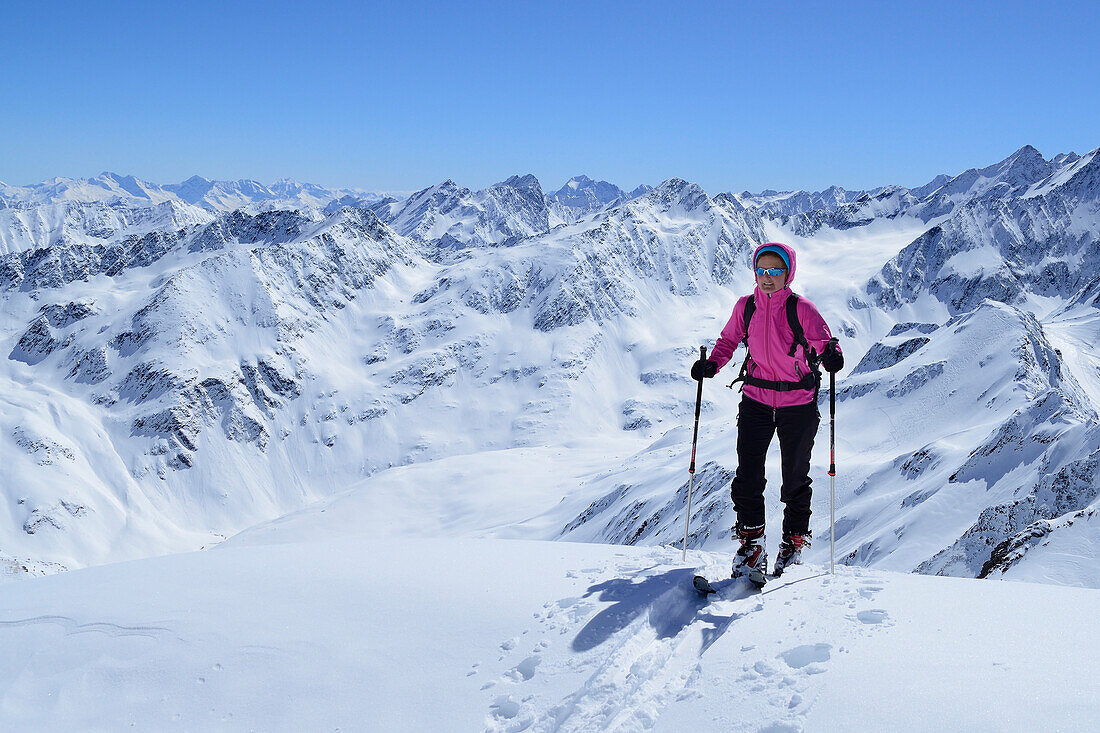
[398,96]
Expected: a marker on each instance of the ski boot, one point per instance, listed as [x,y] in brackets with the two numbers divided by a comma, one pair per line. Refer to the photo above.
[790,551]
[751,559]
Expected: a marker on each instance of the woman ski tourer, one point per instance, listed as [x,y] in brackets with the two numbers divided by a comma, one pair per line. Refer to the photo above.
[786,338]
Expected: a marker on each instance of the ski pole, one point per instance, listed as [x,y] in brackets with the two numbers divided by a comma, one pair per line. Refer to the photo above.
[691,469]
[832,470]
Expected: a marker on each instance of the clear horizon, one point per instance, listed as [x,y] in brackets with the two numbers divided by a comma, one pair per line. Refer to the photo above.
[547,188]
[399,98]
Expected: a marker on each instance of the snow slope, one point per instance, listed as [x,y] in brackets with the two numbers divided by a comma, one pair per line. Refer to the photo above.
[319,628]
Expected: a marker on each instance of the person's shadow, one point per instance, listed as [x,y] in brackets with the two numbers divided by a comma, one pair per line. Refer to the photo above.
[670,600]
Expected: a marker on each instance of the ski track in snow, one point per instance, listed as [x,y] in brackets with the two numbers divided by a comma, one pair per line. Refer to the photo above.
[638,642]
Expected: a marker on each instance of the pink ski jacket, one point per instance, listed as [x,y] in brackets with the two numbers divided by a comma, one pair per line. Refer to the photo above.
[770,340]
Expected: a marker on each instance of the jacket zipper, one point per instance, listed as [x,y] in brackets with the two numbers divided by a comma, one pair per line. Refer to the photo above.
[767,347]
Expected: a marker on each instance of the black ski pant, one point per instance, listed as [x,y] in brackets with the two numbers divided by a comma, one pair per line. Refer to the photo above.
[797,428]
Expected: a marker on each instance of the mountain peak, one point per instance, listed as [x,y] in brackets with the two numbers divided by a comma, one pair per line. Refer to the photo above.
[678,191]
[679,187]
[525,181]
[582,192]
[1027,151]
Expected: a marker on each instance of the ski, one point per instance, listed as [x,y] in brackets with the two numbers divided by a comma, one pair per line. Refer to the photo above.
[757,578]
[703,585]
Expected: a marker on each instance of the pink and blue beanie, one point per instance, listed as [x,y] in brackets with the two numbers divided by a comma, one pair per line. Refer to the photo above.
[776,249]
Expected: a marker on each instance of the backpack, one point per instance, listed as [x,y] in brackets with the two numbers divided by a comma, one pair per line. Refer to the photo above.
[812,380]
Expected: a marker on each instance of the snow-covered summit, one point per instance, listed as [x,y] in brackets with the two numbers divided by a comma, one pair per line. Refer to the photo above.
[453,216]
[581,192]
[318,626]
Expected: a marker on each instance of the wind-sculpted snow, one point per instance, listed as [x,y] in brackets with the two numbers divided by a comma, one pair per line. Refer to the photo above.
[1003,534]
[266,631]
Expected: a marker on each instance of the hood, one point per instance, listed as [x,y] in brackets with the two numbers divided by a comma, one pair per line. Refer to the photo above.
[787,249]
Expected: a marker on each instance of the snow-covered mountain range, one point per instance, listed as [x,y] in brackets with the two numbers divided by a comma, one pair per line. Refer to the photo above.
[220,196]
[183,362]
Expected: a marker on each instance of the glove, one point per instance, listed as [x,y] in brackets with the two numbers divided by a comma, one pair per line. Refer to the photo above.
[831,359]
[703,368]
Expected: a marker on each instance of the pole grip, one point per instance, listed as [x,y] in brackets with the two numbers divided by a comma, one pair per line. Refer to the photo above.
[698,404]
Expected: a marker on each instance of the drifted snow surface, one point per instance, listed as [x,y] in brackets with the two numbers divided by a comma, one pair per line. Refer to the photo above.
[312,625]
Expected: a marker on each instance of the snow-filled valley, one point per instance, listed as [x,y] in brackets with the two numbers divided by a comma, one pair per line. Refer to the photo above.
[290,458]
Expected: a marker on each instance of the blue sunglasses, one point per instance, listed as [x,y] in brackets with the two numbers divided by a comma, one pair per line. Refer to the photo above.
[770,271]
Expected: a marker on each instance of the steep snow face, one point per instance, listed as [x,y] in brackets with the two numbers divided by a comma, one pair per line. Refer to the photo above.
[1016,419]
[91,224]
[174,370]
[1042,243]
[451,216]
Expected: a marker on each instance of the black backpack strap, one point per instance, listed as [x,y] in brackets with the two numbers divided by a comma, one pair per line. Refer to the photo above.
[750,308]
[812,357]
[796,326]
